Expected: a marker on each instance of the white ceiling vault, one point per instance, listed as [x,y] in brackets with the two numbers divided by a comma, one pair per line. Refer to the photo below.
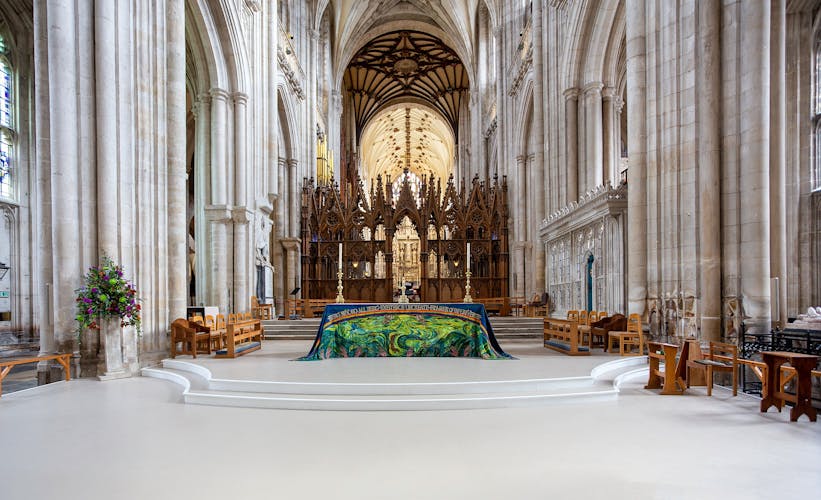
[411,135]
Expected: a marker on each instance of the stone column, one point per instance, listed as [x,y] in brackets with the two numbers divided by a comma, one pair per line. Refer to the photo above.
[708,130]
[593,135]
[177,187]
[335,135]
[65,202]
[294,204]
[202,250]
[521,199]
[218,213]
[636,175]
[45,261]
[610,135]
[537,171]
[571,106]
[241,216]
[106,114]
[273,102]
[501,127]
[778,157]
[754,165]
[535,251]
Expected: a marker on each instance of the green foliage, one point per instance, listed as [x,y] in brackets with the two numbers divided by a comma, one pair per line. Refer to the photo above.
[106,294]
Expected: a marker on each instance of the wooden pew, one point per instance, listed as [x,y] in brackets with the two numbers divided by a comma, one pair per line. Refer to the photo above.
[563,336]
[498,305]
[6,364]
[241,338]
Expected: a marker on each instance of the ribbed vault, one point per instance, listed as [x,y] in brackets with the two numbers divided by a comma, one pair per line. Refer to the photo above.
[405,65]
[407,135]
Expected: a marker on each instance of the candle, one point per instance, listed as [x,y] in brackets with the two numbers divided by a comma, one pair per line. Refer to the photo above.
[340,257]
[468,260]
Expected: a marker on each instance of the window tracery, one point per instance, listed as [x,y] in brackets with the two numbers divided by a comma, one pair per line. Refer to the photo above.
[7,132]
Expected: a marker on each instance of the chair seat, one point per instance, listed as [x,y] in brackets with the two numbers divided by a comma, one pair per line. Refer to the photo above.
[713,363]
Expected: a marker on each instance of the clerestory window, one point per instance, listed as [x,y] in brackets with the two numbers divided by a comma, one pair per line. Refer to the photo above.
[7,128]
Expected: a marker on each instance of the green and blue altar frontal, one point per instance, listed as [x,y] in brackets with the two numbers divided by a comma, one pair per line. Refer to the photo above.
[382,330]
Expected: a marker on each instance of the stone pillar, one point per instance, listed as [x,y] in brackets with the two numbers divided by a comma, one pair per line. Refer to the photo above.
[521,199]
[241,216]
[294,204]
[708,130]
[571,114]
[610,136]
[242,294]
[106,115]
[44,262]
[535,251]
[176,143]
[65,202]
[273,102]
[636,175]
[218,213]
[292,265]
[501,127]
[334,135]
[593,135]
[754,163]
[283,221]
[202,114]
[778,158]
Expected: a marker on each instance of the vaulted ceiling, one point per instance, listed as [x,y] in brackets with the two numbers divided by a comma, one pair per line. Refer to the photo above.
[406,66]
[407,136]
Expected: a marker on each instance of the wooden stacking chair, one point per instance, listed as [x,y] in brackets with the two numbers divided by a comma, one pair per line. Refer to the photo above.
[627,340]
[261,311]
[585,320]
[721,357]
[573,315]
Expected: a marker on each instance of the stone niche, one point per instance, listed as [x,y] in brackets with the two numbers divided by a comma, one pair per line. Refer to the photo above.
[585,257]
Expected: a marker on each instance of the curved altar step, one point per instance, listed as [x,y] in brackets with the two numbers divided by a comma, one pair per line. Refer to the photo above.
[199,387]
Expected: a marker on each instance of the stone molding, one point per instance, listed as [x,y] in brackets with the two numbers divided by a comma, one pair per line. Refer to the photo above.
[592,88]
[217,213]
[523,68]
[241,215]
[491,128]
[240,98]
[571,93]
[219,94]
[602,194]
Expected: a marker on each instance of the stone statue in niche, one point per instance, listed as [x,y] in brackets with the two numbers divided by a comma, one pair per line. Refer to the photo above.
[261,237]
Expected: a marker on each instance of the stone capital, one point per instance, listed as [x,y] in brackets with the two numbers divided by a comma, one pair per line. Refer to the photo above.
[290,244]
[608,93]
[217,213]
[571,93]
[292,163]
[240,98]
[593,88]
[204,98]
[241,215]
[521,159]
[219,95]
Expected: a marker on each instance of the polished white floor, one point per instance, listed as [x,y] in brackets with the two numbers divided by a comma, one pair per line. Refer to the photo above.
[134,439]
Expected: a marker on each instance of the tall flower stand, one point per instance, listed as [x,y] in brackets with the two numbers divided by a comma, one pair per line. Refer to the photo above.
[110,364]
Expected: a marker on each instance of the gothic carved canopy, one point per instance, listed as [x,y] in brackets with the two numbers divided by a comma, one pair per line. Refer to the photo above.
[406,65]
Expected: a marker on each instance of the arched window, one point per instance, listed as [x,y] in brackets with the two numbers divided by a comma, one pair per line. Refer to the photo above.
[7,132]
[816,111]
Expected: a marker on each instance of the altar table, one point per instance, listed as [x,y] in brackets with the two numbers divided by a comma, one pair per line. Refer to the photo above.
[371,330]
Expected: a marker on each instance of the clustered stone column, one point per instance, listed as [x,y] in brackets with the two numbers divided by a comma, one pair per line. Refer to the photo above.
[593,135]
[202,113]
[217,213]
[241,216]
[571,104]
[636,137]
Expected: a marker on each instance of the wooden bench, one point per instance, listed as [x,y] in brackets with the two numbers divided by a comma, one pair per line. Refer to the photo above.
[7,364]
[312,308]
[671,380]
[495,305]
[241,338]
[563,336]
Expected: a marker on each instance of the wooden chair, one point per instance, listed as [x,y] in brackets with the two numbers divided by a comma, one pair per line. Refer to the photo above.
[573,315]
[584,325]
[721,357]
[632,337]
[217,326]
[233,318]
[194,337]
[261,311]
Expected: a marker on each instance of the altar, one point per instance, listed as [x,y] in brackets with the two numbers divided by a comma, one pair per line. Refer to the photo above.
[405,330]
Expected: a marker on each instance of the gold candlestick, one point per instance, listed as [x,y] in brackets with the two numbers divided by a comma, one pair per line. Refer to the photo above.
[339,298]
[468,298]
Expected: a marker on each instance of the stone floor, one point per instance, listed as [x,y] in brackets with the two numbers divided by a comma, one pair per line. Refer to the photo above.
[134,439]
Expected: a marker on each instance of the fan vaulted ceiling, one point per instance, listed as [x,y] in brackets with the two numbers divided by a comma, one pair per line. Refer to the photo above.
[406,65]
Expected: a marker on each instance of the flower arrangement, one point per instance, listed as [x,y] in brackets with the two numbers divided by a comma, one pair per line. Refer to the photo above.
[106,294]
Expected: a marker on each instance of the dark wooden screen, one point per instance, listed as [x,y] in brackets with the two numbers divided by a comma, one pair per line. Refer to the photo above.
[365,224]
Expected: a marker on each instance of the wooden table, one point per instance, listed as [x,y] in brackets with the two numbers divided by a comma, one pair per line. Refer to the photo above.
[803,364]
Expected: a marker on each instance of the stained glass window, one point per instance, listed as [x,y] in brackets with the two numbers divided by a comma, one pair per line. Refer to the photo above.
[6,123]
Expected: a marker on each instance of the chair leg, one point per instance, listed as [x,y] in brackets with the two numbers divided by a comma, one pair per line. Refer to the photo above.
[709,380]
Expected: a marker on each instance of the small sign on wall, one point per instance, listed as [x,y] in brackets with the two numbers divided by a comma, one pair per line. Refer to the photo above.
[4,294]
